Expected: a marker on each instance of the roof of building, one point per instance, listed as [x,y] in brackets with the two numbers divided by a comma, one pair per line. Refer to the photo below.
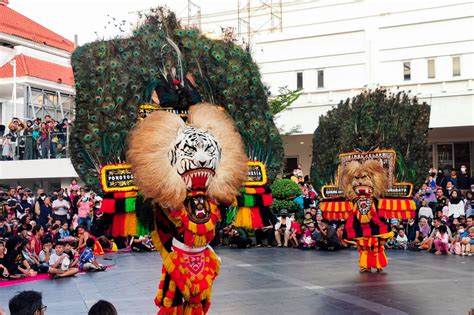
[13,23]
[29,66]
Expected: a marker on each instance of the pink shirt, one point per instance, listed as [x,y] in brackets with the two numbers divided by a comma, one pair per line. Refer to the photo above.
[83,209]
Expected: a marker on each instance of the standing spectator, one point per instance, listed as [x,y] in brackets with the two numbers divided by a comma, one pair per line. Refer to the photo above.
[45,211]
[456,205]
[43,140]
[61,209]
[30,152]
[282,228]
[442,178]
[84,211]
[74,186]
[464,180]
[27,302]
[7,149]
[453,178]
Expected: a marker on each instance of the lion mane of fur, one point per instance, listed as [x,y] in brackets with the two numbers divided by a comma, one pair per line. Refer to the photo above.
[151,140]
[374,170]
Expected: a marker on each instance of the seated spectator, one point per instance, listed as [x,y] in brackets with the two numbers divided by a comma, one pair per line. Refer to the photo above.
[465,241]
[455,205]
[45,255]
[308,237]
[141,244]
[402,240]
[239,238]
[282,228]
[5,229]
[295,231]
[71,252]
[16,264]
[27,302]
[59,263]
[340,234]
[265,233]
[29,256]
[441,240]
[413,233]
[425,211]
[327,238]
[87,260]
[4,274]
[64,233]
[308,218]
[83,235]
[102,308]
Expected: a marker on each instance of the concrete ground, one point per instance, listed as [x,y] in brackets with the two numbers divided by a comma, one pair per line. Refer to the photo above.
[277,281]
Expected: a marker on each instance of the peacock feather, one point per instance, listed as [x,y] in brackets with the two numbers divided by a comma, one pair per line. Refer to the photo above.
[113,77]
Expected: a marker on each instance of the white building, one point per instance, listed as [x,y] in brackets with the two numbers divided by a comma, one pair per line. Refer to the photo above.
[335,49]
[36,80]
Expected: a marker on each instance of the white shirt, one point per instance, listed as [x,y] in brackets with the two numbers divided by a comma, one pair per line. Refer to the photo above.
[425,211]
[64,264]
[456,210]
[63,207]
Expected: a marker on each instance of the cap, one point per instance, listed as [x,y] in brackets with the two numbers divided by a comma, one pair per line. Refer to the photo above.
[283,211]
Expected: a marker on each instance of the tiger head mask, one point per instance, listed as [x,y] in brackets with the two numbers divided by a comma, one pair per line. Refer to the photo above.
[188,168]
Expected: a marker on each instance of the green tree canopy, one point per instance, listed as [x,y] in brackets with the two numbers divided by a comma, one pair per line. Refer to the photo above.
[373,119]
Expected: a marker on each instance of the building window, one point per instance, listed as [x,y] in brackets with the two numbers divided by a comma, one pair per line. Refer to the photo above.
[456,66]
[431,68]
[290,164]
[445,156]
[406,71]
[299,80]
[320,78]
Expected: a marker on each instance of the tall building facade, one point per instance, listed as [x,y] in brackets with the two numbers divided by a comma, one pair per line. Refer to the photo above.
[36,80]
[333,50]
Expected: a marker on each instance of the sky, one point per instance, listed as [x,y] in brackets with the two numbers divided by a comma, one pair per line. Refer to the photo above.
[89,18]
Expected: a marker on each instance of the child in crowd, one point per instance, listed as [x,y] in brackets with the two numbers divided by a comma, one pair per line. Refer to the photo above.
[45,255]
[466,241]
[441,241]
[425,211]
[402,240]
[59,263]
[64,232]
[308,238]
[71,252]
[87,260]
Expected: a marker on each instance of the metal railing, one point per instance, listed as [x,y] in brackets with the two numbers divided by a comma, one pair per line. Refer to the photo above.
[47,145]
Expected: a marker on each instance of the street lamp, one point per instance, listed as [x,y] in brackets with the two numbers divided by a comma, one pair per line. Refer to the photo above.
[13,63]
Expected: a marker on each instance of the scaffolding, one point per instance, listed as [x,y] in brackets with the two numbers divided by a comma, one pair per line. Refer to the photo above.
[273,9]
[194,15]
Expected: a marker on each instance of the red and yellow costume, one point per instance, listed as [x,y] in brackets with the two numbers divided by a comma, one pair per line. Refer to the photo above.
[363,180]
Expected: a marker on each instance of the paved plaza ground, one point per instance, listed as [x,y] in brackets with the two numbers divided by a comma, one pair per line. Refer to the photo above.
[278,281]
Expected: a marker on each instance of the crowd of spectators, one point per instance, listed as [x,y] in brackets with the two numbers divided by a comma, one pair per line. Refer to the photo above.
[56,233]
[34,139]
[443,223]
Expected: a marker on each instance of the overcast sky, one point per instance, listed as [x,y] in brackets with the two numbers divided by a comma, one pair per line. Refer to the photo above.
[85,17]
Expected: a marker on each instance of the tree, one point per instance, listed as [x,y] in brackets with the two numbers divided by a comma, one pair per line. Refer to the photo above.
[283,101]
[373,119]
[284,191]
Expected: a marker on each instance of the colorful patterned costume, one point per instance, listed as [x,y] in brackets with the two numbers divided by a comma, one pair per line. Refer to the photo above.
[251,209]
[187,169]
[363,180]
